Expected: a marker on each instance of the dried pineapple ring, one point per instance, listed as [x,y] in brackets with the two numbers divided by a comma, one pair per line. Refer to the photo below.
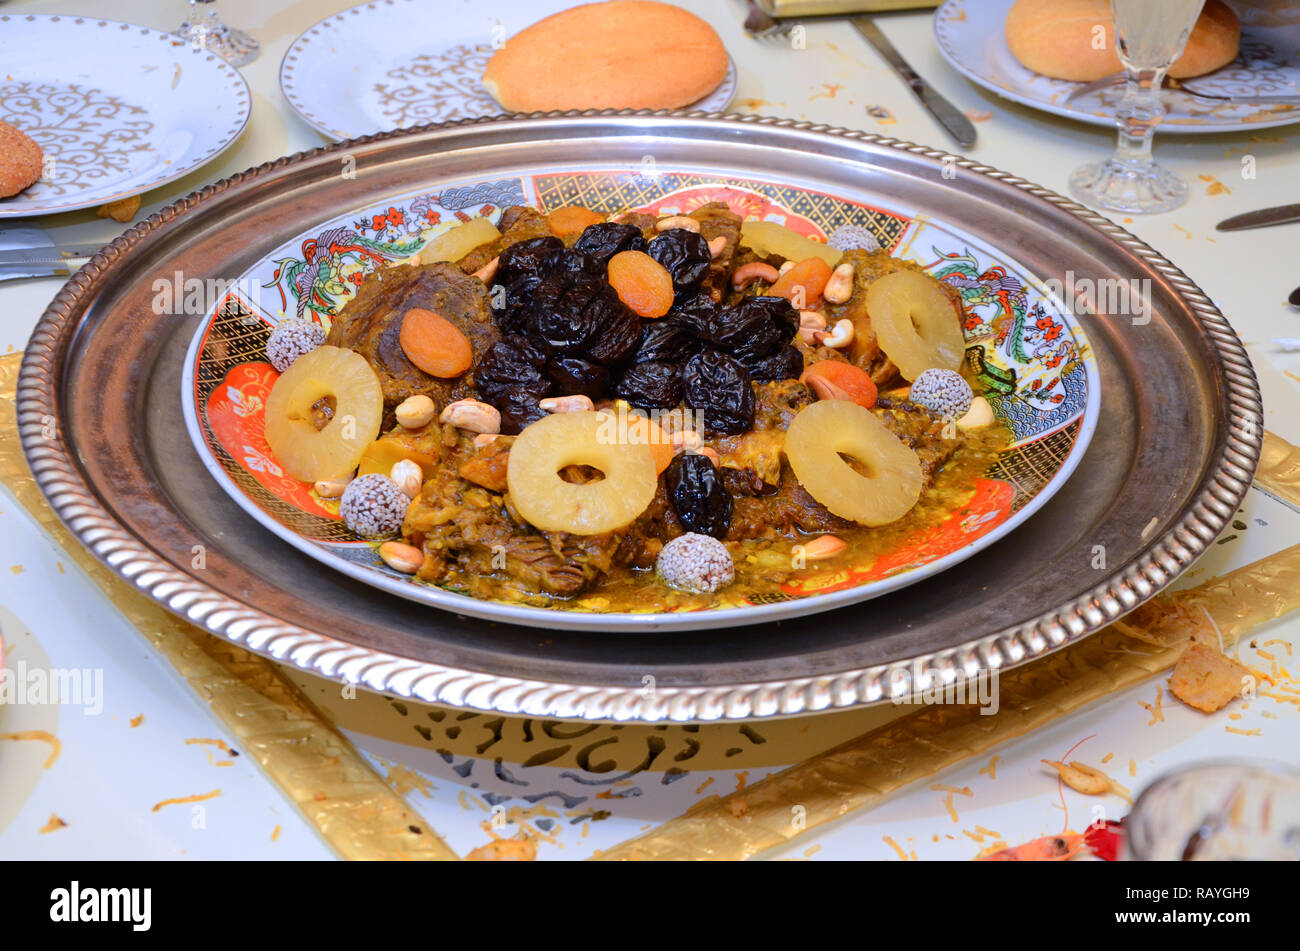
[549,503]
[824,430]
[915,323]
[303,451]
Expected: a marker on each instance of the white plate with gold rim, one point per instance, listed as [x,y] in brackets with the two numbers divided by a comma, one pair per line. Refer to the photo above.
[117,108]
[389,65]
[972,38]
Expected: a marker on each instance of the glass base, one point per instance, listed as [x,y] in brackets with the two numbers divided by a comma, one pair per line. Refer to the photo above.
[1118,186]
[234,46]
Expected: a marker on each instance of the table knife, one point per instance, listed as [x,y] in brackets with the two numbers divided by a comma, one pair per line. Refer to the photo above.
[49,254]
[1280,215]
[949,116]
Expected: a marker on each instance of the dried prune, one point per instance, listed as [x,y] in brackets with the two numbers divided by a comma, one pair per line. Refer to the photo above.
[696,312]
[668,341]
[561,318]
[620,331]
[699,498]
[513,308]
[602,241]
[518,409]
[719,387]
[574,375]
[740,328]
[783,363]
[782,314]
[686,256]
[525,258]
[653,385]
[512,365]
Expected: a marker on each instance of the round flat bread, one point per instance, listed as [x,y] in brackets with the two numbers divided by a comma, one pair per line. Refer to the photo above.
[1074,39]
[624,54]
[21,160]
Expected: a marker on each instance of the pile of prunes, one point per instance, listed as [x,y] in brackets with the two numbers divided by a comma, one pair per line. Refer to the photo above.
[565,331]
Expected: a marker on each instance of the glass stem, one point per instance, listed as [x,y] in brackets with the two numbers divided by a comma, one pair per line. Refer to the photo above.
[1138,115]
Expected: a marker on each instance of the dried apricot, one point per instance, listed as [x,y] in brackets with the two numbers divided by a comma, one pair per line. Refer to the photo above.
[641,282]
[835,379]
[805,280]
[434,344]
[572,220]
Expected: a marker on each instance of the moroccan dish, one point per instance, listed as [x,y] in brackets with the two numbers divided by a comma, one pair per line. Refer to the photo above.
[633,413]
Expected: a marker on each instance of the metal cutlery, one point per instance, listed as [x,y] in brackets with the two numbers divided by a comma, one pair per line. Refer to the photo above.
[1280,215]
[1118,79]
[762,26]
[950,117]
[49,254]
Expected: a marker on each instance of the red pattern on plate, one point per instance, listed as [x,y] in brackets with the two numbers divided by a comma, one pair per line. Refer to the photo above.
[747,204]
[237,415]
[988,508]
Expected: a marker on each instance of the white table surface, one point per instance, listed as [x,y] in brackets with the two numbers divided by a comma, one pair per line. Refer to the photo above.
[109,773]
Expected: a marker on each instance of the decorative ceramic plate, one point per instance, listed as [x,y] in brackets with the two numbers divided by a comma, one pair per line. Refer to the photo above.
[972,38]
[1030,354]
[1175,445]
[392,64]
[118,109]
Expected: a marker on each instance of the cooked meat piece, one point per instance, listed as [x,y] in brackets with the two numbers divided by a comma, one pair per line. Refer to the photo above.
[759,451]
[518,223]
[865,351]
[371,324]
[920,429]
[471,535]
[718,221]
[790,509]
[643,221]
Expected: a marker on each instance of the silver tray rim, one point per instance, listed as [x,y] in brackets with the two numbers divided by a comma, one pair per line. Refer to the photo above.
[1228,478]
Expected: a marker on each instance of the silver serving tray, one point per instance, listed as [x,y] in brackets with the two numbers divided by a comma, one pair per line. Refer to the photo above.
[1174,452]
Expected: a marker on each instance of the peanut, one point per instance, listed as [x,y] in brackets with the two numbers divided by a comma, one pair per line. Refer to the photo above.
[840,287]
[717,245]
[567,404]
[409,477]
[823,547]
[332,488]
[415,412]
[401,557]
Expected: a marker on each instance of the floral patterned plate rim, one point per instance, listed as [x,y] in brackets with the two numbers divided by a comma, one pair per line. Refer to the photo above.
[1029,352]
[972,39]
[392,77]
[117,108]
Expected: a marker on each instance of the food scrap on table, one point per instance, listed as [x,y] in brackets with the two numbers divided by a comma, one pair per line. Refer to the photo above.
[53,825]
[42,736]
[505,850]
[123,210]
[181,800]
[1206,679]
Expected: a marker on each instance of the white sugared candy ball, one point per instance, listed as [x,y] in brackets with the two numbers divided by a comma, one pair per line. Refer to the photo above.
[291,339]
[942,392]
[373,506]
[697,563]
[853,238]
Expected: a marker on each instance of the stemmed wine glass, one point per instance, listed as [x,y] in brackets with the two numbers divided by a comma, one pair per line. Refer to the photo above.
[205,30]
[1150,35]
